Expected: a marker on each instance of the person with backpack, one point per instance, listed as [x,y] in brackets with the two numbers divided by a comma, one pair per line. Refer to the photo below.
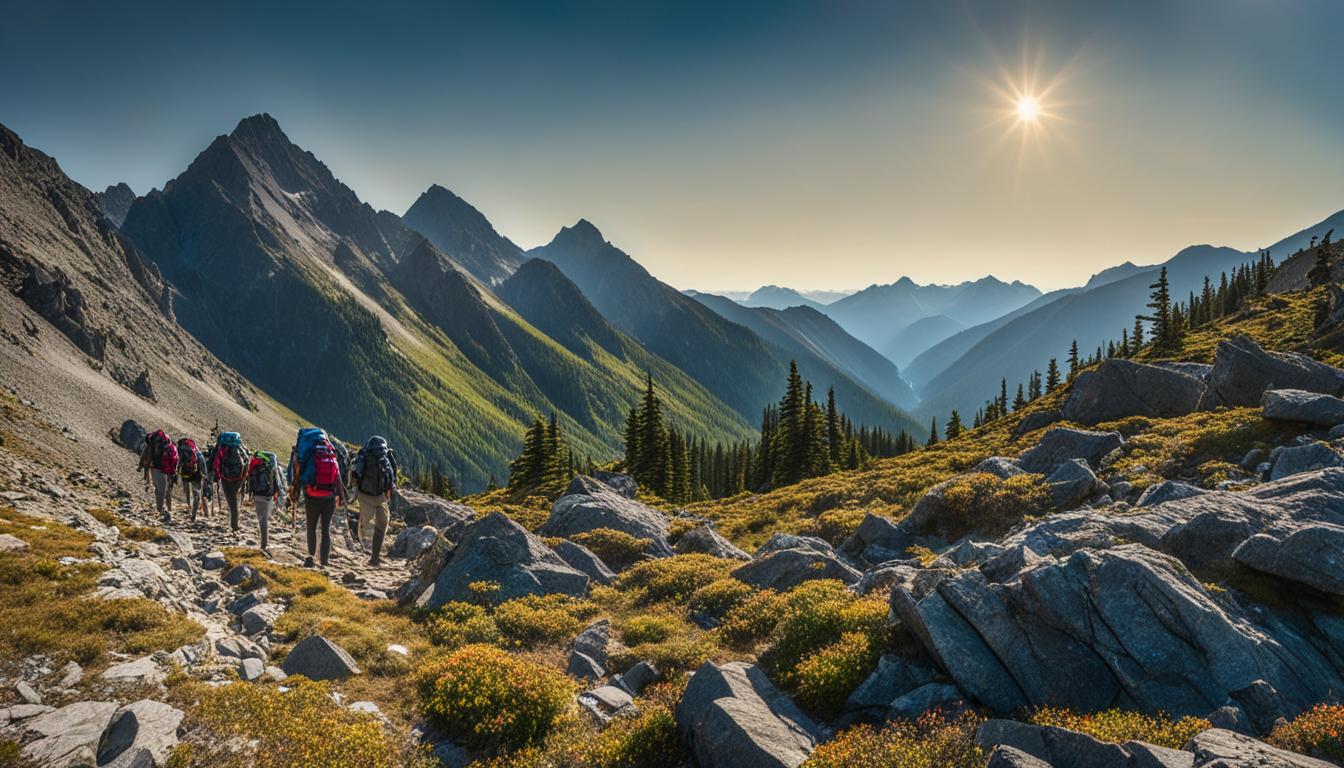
[229,467]
[265,483]
[375,478]
[191,472]
[316,473]
[159,462]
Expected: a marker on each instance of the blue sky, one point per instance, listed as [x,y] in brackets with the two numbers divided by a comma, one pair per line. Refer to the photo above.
[726,145]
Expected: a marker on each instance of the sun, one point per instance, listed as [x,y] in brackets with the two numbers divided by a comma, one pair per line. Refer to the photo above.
[1028,109]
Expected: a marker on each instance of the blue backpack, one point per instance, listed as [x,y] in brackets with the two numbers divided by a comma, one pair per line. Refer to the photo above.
[309,438]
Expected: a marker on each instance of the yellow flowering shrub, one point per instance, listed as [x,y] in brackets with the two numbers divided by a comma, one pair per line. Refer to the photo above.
[817,614]
[1318,732]
[301,727]
[650,628]
[456,624]
[986,504]
[531,620]
[618,549]
[673,578]
[490,699]
[752,619]
[718,597]
[826,678]
[1119,725]
[931,742]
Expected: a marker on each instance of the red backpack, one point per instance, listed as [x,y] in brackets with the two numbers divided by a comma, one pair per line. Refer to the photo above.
[326,473]
[168,459]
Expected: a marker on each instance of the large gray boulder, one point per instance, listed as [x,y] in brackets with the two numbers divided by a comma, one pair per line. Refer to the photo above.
[1242,371]
[1120,388]
[1218,748]
[1304,407]
[499,550]
[705,540]
[1064,443]
[317,658]
[1312,555]
[785,569]
[877,540]
[1072,483]
[589,504]
[1054,747]
[67,736]
[893,678]
[1011,757]
[413,541]
[447,517]
[732,716]
[622,484]
[132,436]
[1297,459]
[584,560]
[142,730]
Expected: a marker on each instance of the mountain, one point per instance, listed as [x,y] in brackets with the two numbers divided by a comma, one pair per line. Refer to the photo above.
[359,322]
[878,313]
[1111,274]
[728,359]
[918,336]
[1092,317]
[816,340]
[464,234]
[91,335]
[115,201]
[775,297]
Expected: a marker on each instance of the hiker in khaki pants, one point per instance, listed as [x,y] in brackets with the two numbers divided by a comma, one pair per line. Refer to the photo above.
[374,510]
[374,472]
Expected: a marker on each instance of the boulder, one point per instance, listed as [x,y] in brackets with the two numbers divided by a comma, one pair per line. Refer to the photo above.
[733,716]
[1312,555]
[877,540]
[213,560]
[1001,467]
[1072,483]
[1242,371]
[1009,757]
[413,541]
[242,574]
[636,678]
[583,667]
[1199,371]
[1303,458]
[449,518]
[250,670]
[593,640]
[132,436]
[68,736]
[260,618]
[705,540]
[606,702]
[780,541]
[926,698]
[500,550]
[785,569]
[589,504]
[317,658]
[1167,490]
[1218,748]
[145,727]
[1056,747]
[1064,443]
[622,484]
[141,671]
[10,543]
[1120,388]
[584,560]
[1036,420]
[1303,407]
[893,678]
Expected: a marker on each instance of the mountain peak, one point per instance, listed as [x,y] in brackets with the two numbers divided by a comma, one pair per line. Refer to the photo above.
[258,123]
[582,235]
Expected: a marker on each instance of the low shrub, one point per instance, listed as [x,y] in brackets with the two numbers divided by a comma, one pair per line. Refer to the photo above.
[1318,732]
[299,727]
[988,505]
[618,549]
[752,619]
[718,597]
[681,653]
[826,678]
[531,620]
[673,578]
[490,699]
[817,614]
[646,740]
[1119,725]
[931,742]
[457,624]
[650,628]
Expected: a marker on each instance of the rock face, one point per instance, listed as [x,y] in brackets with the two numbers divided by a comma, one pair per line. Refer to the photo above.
[145,729]
[1303,407]
[732,715]
[1119,388]
[497,549]
[1311,555]
[69,735]
[317,658]
[1242,371]
[705,540]
[1303,458]
[1063,444]
[447,517]
[785,569]
[1218,748]
[584,560]
[589,504]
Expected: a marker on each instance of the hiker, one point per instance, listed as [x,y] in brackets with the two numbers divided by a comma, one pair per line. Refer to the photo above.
[159,460]
[229,467]
[375,478]
[316,472]
[265,484]
[191,472]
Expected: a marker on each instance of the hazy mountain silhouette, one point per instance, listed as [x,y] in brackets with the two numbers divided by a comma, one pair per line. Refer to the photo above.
[777,297]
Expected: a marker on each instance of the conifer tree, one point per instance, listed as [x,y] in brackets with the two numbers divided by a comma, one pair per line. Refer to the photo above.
[1034,386]
[933,433]
[1320,271]
[833,436]
[1160,317]
[1052,376]
[953,430]
[1020,401]
[1074,361]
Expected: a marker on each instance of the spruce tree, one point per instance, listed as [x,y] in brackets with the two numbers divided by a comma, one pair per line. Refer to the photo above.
[1074,361]
[833,436]
[1320,272]
[953,430]
[1160,317]
[1020,401]
[1052,376]
[933,433]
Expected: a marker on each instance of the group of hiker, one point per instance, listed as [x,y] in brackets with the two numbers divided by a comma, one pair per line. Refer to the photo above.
[318,471]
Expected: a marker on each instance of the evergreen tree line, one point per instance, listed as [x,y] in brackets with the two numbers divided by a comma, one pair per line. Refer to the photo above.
[799,439]
[434,482]
[546,462]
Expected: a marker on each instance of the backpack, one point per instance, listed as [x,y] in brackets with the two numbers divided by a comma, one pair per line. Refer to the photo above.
[230,462]
[187,465]
[325,472]
[155,442]
[168,459]
[261,475]
[301,461]
[373,465]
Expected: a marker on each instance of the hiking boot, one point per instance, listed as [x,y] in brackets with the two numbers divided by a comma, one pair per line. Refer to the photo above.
[375,561]
[308,562]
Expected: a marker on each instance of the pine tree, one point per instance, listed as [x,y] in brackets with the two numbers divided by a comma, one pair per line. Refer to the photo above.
[833,436]
[1320,272]
[1163,331]
[1052,376]
[933,433]
[1074,362]
[1034,386]
[1020,401]
[953,430]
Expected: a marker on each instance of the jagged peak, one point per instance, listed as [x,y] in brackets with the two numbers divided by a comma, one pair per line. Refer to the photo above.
[258,124]
[583,234]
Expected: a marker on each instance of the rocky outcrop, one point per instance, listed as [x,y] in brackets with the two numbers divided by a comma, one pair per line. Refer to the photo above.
[785,569]
[705,540]
[1303,407]
[1242,371]
[1294,460]
[622,484]
[497,549]
[132,436]
[589,504]
[1218,748]
[1311,555]
[142,733]
[447,517]
[732,715]
[1063,444]
[584,560]
[1120,388]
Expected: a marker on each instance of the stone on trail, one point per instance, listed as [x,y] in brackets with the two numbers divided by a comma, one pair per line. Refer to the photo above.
[317,658]
[27,692]
[1120,388]
[1303,407]
[213,560]
[251,669]
[143,728]
[732,716]
[260,618]
[242,574]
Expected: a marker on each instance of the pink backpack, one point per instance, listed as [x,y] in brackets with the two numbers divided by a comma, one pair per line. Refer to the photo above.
[326,472]
[168,459]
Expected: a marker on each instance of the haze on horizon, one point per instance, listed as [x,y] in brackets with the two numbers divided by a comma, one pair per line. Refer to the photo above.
[817,146]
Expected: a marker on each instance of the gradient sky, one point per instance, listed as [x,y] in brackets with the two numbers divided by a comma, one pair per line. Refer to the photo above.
[828,144]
